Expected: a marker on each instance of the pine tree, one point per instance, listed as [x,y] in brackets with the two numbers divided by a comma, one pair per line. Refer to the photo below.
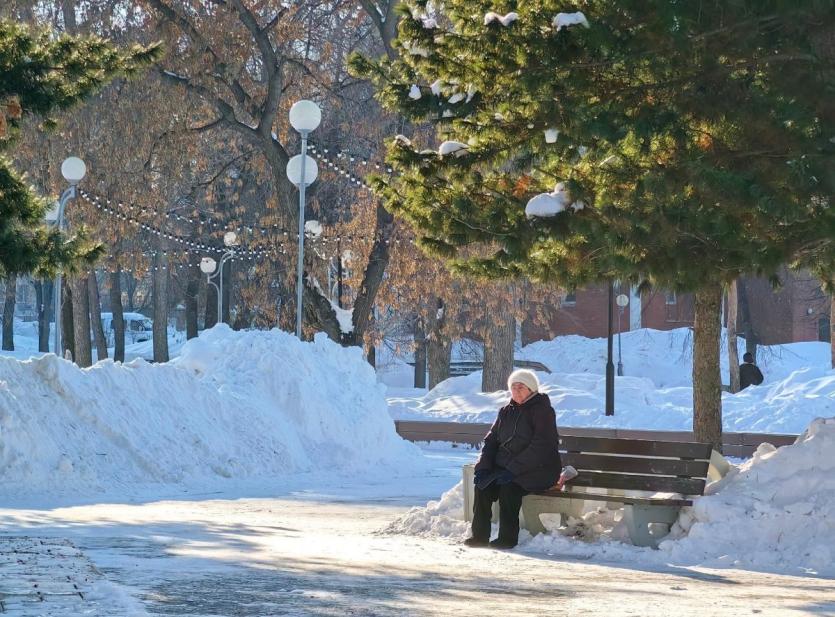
[677,144]
[41,74]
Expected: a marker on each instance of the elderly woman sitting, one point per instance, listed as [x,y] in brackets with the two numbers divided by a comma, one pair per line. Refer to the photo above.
[520,455]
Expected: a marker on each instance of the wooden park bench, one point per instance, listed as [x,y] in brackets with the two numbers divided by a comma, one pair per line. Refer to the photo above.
[652,479]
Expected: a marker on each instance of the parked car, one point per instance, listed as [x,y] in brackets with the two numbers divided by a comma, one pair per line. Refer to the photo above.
[138,328]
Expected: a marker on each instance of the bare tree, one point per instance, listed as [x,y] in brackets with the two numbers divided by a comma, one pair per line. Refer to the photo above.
[83,355]
[95,316]
[118,321]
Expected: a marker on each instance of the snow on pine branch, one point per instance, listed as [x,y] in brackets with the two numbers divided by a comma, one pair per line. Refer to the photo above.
[563,20]
[550,204]
[452,147]
[504,20]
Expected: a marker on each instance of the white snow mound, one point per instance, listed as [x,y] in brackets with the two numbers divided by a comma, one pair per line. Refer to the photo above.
[233,405]
[777,512]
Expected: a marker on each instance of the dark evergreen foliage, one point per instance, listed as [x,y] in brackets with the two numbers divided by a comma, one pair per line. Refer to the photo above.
[39,75]
[699,136]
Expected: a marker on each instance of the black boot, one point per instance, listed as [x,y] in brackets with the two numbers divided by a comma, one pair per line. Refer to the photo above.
[476,542]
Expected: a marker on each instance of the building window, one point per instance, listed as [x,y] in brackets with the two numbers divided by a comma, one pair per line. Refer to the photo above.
[570,299]
[670,297]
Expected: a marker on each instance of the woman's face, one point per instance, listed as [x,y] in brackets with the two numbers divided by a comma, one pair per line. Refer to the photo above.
[519,392]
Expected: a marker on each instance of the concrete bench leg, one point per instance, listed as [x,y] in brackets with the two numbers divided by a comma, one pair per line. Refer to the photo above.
[532,507]
[648,525]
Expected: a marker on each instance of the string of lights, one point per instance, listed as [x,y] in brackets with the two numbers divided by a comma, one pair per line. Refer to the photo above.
[117,208]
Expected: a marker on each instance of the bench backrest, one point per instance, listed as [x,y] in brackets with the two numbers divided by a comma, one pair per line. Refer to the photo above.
[637,464]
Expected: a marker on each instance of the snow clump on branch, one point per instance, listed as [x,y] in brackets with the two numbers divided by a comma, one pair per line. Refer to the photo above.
[551,204]
[504,20]
[563,20]
[452,147]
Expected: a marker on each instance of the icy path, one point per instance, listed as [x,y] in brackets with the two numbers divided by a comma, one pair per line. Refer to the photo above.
[306,553]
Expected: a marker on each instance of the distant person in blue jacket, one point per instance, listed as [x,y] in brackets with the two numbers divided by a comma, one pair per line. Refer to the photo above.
[749,373]
[520,455]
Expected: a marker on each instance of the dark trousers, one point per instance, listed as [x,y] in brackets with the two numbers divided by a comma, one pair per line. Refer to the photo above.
[510,502]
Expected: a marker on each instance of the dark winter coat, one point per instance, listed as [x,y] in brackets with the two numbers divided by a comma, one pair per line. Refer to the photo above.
[749,374]
[524,440]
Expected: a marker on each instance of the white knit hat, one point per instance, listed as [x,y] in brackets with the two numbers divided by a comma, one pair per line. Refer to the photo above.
[524,376]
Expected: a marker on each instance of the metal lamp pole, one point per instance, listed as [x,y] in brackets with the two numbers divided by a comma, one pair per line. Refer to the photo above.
[212,270]
[73,169]
[300,265]
[610,367]
[305,116]
[622,300]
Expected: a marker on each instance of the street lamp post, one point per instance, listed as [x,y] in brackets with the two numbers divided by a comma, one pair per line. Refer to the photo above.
[73,169]
[610,367]
[622,300]
[209,266]
[302,170]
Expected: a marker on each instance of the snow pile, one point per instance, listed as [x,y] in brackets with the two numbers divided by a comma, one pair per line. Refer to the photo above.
[776,512]
[438,518]
[655,393]
[233,405]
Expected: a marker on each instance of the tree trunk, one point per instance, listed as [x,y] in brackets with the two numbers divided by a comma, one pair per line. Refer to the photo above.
[95,316]
[438,346]
[707,379]
[43,294]
[118,321]
[160,291]
[499,336]
[192,289]
[363,311]
[8,312]
[420,354]
[83,355]
[67,328]
[733,352]
[832,327]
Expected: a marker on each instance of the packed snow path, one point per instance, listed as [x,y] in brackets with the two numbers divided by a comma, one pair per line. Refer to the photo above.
[315,554]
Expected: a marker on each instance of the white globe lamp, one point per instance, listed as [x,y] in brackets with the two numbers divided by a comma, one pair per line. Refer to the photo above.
[305,116]
[73,169]
[294,170]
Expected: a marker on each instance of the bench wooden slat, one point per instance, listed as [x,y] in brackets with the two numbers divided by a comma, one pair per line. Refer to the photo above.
[631,464]
[665,484]
[639,447]
[647,501]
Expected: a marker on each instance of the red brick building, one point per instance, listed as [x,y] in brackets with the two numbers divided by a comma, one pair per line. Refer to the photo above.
[796,311]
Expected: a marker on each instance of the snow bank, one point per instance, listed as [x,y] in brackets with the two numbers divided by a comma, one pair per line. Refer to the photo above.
[776,512]
[438,518]
[233,405]
[654,394]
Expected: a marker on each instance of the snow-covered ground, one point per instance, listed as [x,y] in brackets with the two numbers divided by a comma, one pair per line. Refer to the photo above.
[233,405]
[26,344]
[278,549]
[654,393]
[256,474]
